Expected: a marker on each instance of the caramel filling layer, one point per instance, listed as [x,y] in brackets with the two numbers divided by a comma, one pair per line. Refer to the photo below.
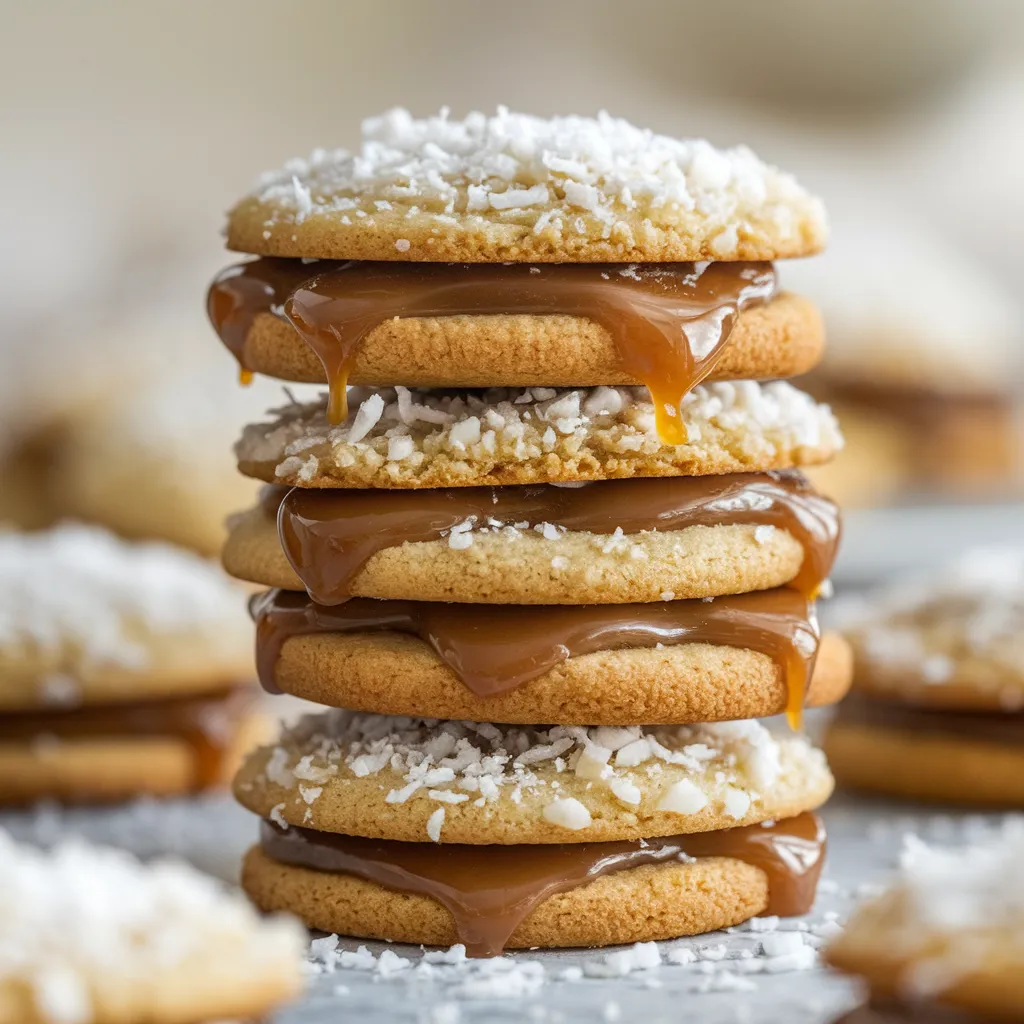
[328,536]
[495,648]
[669,321]
[489,890]
[989,726]
[207,724]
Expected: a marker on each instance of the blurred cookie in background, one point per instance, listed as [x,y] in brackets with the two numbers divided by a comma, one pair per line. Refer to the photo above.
[144,450]
[937,707]
[124,669]
[924,350]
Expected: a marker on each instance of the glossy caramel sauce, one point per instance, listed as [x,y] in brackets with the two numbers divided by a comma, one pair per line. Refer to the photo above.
[495,648]
[329,535]
[490,890]
[669,321]
[206,723]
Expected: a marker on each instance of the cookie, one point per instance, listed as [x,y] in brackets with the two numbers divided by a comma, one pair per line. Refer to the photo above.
[944,765]
[397,438]
[102,754]
[525,567]
[384,777]
[640,904]
[783,338]
[517,188]
[950,639]
[86,618]
[91,934]
[391,673]
[948,934]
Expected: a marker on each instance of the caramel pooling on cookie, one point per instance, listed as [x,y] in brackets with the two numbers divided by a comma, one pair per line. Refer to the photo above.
[490,890]
[669,321]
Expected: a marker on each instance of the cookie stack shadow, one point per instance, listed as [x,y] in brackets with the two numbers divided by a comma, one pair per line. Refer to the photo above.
[549,562]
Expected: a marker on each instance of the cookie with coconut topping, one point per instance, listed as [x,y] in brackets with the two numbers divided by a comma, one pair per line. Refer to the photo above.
[412,779]
[395,437]
[508,564]
[951,639]
[948,933]
[86,618]
[392,673]
[512,187]
[175,947]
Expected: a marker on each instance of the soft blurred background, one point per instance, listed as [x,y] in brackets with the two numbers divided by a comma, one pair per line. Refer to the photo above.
[128,128]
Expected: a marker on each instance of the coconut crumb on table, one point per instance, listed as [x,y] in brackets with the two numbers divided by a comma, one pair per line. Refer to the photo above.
[527,434]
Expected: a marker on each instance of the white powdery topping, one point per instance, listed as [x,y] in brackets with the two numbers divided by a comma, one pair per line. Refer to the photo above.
[602,176]
[952,910]
[453,762]
[83,922]
[79,588]
[972,607]
[520,424]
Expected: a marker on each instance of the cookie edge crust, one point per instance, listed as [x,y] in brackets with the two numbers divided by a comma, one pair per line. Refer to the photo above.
[357,672]
[650,902]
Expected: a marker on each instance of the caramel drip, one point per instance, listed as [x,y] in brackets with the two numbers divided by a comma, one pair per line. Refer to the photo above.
[328,536]
[490,890]
[205,723]
[669,321]
[889,1012]
[241,292]
[1002,727]
[496,648]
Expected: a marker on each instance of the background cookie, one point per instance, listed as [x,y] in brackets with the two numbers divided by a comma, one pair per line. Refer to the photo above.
[783,338]
[396,438]
[603,191]
[390,673]
[176,947]
[923,766]
[86,618]
[334,772]
[525,567]
[635,905]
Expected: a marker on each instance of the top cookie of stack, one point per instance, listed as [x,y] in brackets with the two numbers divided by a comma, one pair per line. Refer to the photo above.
[538,265]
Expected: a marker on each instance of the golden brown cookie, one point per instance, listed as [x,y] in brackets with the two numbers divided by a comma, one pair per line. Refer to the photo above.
[90,934]
[926,766]
[525,567]
[383,777]
[517,188]
[639,904]
[86,618]
[783,338]
[98,762]
[397,438]
[951,639]
[948,934]
[395,674]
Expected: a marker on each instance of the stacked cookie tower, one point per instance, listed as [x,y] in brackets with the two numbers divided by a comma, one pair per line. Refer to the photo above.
[583,535]
[124,669]
[937,711]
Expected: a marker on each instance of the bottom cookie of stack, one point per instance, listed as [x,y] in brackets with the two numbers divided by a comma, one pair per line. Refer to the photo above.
[938,689]
[435,832]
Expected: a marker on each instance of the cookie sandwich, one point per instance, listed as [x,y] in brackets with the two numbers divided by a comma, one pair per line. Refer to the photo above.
[937,709]
[543,546]
[124,669]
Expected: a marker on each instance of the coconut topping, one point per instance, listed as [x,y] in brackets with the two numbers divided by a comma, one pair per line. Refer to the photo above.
[932,627]
[80,593]
[950,912]
[562,177]
[403,433]
[85,927]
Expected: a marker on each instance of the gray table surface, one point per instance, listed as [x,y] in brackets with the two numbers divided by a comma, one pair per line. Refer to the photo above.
[865,837]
